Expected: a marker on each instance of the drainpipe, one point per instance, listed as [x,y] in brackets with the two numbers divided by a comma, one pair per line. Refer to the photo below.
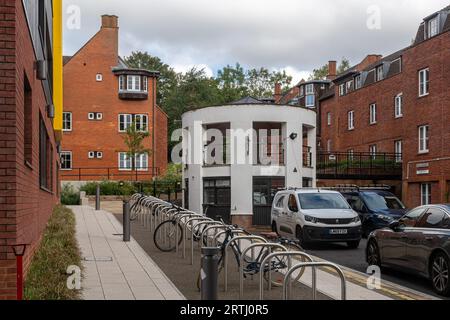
[422,161]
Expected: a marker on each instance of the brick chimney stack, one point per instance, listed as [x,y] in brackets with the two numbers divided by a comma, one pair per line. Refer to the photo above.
[332,70]
[110,21]
[277,96]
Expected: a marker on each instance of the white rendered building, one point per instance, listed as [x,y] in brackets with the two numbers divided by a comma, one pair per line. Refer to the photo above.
[236,157]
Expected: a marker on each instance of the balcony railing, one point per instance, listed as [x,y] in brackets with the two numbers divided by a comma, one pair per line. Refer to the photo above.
[342,165]
[115,174]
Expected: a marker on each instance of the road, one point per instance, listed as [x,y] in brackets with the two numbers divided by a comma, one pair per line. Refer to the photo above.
[355,259]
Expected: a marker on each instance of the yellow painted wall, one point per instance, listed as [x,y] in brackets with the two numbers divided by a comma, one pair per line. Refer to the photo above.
[57,67]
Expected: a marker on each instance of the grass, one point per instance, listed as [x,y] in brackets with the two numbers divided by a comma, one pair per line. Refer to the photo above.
[46,279]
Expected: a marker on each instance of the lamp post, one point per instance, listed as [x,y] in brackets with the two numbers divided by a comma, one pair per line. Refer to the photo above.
[19,252]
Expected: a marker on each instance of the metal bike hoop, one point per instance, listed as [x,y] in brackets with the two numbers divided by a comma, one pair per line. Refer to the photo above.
[269,258]
[198,224]
[268,245]
[225,254]
[185,227]
[314,279]
[178,220]
[233,231]
[214,227]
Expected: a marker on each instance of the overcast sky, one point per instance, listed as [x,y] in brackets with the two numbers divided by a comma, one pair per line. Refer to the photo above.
[294,35]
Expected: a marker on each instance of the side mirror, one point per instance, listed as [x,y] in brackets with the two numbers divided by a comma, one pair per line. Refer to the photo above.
[395,225]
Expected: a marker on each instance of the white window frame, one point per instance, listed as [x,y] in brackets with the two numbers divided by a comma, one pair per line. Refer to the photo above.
[424,138]
[358,82]
[424,82]
[133,83]
[91,116]
[329,118]
[141,162]
[425,194]
[125,161]
[350,154]
[309,88]
[329,145]
[302,91]
[432,30]
[373,151]
[373,113]
[127,121]
[91,154]
[379,73]
[310,104]
[99,116]
[145,84]
[351,120]
[141,121]
[69,121]
[398,105]
[349,86]
[122,83]
[71,160]
[342,89]
[99,155]
[99,77]
[398,147]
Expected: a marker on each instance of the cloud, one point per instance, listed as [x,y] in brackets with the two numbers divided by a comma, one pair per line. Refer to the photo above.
[295,35]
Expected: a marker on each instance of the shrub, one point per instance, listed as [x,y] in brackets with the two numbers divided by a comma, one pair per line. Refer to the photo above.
[69,196]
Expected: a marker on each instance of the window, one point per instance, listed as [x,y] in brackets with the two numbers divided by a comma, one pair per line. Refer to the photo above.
[373,113]
[66,160]
[45,158]
[322,200]
[99,77]
[433,27]
[342,89]
[351,120]
[358,83]
[350,154]
[433,218]
[145,84]
[99,116]
[91,116]
[292,203]
[423,139]
[67,121]
[122,83]
[425,193]
[99,155]
[133,83]
[28,122]
[280,202]
[141,122]
[309,89]
[310,100]
[398,151]
[373,151]
[91,155]
[216,192]
[412,217]
[141,162]
[349,86]
[424,82]
[329,118]
[379,73]
[302,91]
[399,105]
[329,145]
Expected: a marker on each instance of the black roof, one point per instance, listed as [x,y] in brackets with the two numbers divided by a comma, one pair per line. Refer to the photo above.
[247,100]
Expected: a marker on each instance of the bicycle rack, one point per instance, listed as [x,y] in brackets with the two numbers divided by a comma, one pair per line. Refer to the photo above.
[269,258]
[203,218]
[225,254]
[314,279]
[233,231]
[178,220]
[215,228]
[212,222]
[242,257]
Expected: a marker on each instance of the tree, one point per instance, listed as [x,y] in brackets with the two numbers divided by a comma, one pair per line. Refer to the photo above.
[134,139]
[168,77]
[261,82]
[231,82]
[322,72]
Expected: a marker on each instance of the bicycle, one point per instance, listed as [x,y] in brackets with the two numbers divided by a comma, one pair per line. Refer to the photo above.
[166,231]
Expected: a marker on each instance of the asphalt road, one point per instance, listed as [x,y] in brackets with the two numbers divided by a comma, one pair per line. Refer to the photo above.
[355,259]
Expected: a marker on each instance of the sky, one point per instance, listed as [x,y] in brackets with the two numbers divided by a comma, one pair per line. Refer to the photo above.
[293,35]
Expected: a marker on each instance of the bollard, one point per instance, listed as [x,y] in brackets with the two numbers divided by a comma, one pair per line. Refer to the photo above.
[126,221]
[209,273]
[97,198]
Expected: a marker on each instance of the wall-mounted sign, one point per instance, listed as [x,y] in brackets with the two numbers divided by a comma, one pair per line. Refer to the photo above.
[422,165]
[422,172]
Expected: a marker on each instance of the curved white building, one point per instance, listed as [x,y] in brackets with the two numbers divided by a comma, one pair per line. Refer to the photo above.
[237,156]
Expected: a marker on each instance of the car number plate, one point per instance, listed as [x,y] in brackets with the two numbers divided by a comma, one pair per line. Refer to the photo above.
[338,231]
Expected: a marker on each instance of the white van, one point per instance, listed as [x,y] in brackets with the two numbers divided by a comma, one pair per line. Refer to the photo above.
[315,215]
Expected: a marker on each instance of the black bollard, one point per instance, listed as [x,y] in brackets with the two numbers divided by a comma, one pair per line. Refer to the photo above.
[97,198]
[126,222]
[209,273]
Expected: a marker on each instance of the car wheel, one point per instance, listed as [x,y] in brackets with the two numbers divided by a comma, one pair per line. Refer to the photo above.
[439,273]
[373,254]
[300,236]
[353,244]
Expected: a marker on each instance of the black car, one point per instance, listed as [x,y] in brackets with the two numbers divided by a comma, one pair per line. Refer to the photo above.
[377,208]
[418,243]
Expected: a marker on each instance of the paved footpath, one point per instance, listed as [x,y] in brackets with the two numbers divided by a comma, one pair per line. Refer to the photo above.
[113,269]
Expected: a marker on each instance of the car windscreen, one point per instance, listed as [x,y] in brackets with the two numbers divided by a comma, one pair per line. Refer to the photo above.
[376,201]
[311,201]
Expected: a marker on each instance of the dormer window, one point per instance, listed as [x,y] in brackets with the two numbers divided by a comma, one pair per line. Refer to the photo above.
[433,27]
[358,83]
[133,83]
[379,73]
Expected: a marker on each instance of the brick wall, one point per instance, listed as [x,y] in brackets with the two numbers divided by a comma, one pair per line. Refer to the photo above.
[24,207]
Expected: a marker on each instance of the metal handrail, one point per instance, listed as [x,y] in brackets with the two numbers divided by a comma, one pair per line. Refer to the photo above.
[314,279]
[269,246]
[269,258]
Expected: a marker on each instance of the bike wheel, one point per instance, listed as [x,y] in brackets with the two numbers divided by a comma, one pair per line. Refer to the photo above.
[165,234]
[279,267]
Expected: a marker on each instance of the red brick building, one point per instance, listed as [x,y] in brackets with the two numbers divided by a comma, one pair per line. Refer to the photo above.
[102,97]
[399,104]
[28,129]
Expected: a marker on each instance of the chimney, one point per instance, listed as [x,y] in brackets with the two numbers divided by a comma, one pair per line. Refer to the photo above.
[277,96]
[110,21]
[332,70]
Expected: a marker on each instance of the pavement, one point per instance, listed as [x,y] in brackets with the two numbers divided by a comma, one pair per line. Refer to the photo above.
[113,269]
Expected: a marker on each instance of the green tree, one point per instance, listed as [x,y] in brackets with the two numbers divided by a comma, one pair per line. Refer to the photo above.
[231,82]
[322,72]
[134,141]
[168,78]
[261,82]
